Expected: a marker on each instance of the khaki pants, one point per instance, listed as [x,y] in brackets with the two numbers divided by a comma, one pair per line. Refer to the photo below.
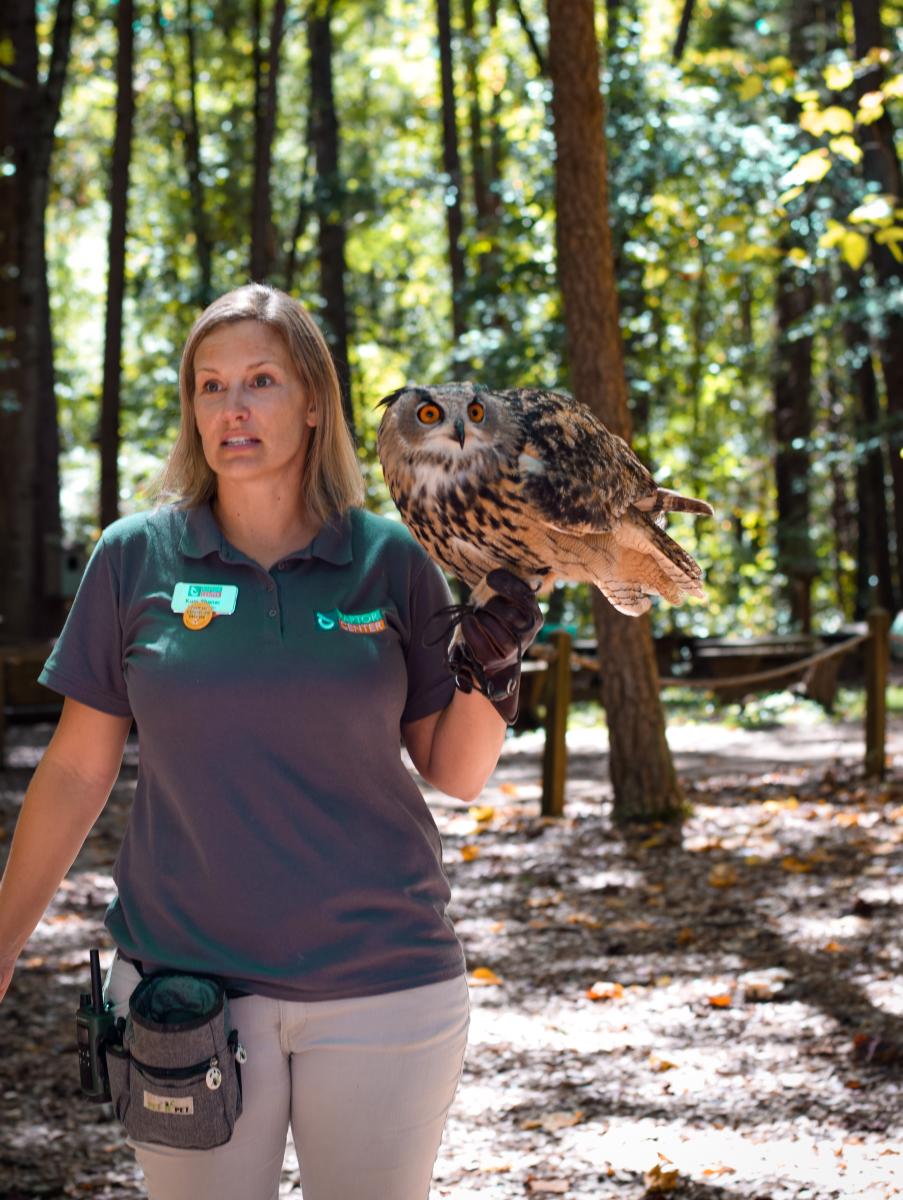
[365,1085]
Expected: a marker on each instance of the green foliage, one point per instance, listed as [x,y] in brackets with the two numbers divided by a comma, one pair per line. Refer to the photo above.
[724,171]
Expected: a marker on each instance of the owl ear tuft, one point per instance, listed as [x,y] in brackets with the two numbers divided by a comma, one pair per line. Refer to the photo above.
[390,399]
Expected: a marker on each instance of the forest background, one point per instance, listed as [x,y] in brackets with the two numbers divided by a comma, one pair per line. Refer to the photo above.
[392,165]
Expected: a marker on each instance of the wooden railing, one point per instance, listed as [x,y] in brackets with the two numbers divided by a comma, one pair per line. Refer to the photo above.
[561,662]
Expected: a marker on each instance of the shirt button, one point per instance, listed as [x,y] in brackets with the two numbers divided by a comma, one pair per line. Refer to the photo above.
[282,566]
[272,612]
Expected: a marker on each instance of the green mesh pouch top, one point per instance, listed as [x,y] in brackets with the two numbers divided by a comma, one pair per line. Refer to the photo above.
[175,1077]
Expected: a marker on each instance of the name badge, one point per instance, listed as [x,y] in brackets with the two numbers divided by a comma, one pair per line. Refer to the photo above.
[221,597]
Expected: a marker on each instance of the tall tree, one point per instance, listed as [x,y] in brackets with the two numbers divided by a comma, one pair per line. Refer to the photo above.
[642,772]
[329,194]
[266,78]
[30,530]
[451,162]
[189,125]
[792,371]
[116,247]
[881,167]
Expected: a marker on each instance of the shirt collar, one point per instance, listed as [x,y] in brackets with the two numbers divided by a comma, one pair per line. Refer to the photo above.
[202,536]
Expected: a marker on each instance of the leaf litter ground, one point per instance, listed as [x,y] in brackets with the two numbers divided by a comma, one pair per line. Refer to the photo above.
[713,1013]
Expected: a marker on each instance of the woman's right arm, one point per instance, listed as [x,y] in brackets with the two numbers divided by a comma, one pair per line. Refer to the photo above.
[64,799]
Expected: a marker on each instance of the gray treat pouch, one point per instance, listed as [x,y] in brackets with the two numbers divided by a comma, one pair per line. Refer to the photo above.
[176,1077]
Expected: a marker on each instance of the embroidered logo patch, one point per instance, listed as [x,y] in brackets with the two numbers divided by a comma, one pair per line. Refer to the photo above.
[174,1106]
[368,622]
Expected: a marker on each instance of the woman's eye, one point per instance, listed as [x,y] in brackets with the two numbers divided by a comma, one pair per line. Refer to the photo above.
[262,380]
[209,385]
[429,414]
[475,411]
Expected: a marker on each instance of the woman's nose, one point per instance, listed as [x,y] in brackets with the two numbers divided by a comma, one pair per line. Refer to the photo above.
[235,402]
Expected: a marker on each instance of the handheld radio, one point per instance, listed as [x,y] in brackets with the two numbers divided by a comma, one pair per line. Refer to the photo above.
[93,1021]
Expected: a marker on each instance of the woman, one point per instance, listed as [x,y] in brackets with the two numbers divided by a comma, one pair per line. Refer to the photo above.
[268,637]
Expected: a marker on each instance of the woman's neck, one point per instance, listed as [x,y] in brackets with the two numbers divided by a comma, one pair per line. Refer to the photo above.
[267,526]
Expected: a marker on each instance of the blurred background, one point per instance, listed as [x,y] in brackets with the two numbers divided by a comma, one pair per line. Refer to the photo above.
[392,165]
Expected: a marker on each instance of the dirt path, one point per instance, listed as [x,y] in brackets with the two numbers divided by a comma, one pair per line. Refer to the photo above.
[725,1004]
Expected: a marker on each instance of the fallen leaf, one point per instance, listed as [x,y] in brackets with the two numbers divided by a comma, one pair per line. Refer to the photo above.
[556,1186]
[604,989]
[584,919]
[509,789]
[833,947]
[722,1000]
[469,853]
[660,1064]
[484,977]
[846,818]
[481,813]
[853,1083]
[685,936]
[723,875]
[554,1121]
[797,865]
[720,1171]
[658,1179]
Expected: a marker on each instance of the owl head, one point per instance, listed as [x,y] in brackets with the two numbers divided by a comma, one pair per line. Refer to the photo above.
[451,425]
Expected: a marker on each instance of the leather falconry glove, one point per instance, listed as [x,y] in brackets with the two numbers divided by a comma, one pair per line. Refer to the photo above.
[486,655]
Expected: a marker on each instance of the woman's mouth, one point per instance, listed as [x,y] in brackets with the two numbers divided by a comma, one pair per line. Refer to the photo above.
[236,443]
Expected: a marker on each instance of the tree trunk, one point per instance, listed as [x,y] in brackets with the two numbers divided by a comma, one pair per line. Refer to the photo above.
[116,246]
[683,31]
[541,64]
[881,166]
[266,77]
[329,195]
[191,134]
[792,378]
[303,211]
[793,432]
[451,162]
[642,772]
[30,528]
[873,558]
[485,160]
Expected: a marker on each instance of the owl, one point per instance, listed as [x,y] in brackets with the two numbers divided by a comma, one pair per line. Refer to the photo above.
[532,481]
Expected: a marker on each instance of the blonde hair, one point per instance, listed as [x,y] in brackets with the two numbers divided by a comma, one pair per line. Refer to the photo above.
[332,479]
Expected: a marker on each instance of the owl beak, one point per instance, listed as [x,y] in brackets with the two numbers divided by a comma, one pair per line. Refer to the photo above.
[459,431]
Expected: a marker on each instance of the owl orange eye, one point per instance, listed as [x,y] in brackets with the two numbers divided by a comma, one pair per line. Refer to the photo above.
[429,414]
[475,411]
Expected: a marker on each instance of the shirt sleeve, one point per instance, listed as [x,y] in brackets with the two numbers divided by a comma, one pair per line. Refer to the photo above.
[431,685]
[86,662]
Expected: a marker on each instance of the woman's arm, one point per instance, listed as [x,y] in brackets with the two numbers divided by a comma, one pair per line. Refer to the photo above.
[64,799]
[457,748]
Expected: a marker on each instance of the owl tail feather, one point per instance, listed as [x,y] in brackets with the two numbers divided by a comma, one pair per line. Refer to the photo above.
[664,500]
[639,560]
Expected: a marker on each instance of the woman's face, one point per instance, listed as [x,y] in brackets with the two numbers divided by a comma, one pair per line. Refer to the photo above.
[250,408]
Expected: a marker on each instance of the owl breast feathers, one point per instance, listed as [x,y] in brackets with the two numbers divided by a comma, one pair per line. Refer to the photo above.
[534,482]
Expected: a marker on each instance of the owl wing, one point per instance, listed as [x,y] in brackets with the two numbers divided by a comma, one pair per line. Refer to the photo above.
[578,475]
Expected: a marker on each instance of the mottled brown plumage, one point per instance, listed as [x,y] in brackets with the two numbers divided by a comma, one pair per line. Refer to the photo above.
[532,481]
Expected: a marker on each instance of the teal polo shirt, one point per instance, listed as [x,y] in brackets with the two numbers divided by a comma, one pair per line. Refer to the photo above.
[276,837]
